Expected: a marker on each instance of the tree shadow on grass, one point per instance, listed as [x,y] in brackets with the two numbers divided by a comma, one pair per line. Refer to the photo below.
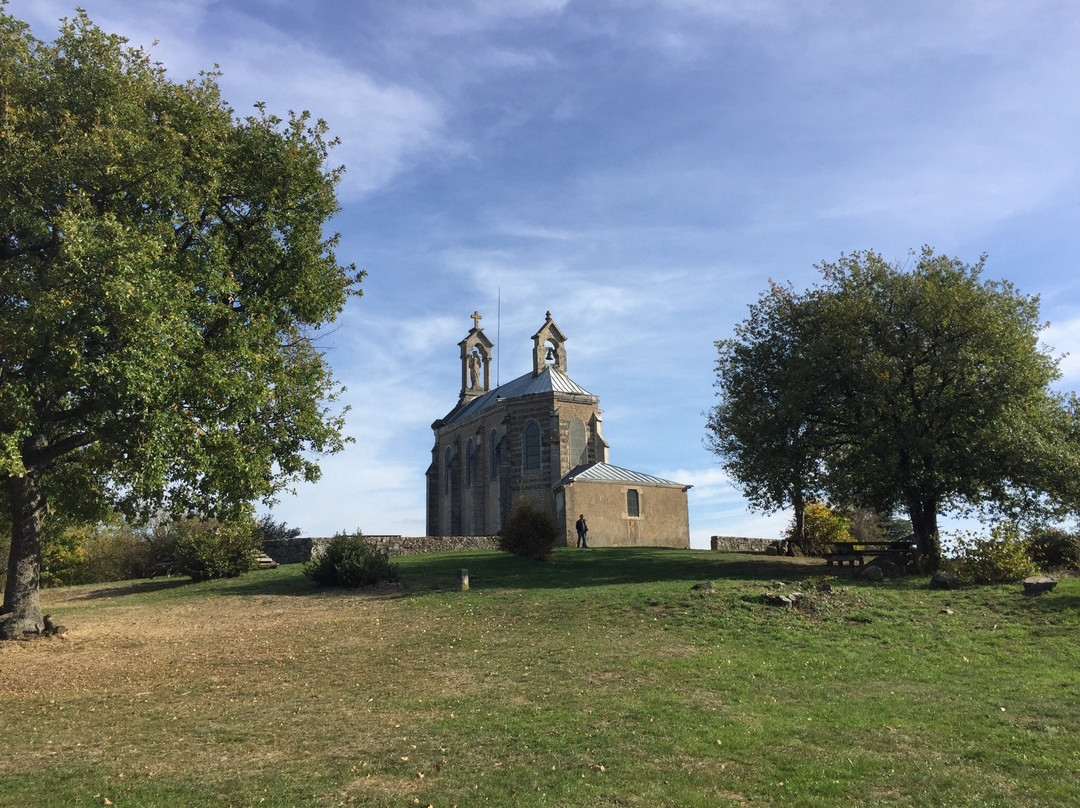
[570,568]
[124,588]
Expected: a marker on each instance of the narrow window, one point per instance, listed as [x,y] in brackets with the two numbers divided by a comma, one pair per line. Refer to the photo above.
[449,457]
[578,450]
[632,508]
[494,454]
[470,463]
[532,446]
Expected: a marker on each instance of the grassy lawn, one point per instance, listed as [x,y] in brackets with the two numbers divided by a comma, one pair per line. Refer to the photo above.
[599,679]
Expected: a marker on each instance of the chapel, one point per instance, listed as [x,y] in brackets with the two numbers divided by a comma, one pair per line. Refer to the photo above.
[539,438]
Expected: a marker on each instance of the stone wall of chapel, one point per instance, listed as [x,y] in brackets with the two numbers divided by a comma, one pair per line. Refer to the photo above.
[468,509]
[568,413]
[533,485]
[662,521]
[484,507]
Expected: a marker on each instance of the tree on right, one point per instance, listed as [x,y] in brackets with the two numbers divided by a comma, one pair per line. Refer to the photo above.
[919,388]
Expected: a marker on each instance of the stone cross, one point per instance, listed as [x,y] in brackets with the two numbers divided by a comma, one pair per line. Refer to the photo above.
[476,318]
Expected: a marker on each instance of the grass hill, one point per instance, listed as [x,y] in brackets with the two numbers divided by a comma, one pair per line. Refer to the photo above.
[598,679]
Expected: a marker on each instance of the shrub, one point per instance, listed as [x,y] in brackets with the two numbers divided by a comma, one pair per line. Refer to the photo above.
[206,548]
[91,553]
[351,560]
[998,557]
[530,532]
[1053,548]
[62,558]
[821,525]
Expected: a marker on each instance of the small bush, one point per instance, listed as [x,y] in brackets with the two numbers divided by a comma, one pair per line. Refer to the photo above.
[1052,548]
[206,548]
[821,525]
[998,557]
[352,561]
[531,532]
[63,558]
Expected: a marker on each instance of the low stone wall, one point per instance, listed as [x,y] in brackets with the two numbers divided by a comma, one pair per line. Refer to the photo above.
[741,544]
[295,551]
[288,551]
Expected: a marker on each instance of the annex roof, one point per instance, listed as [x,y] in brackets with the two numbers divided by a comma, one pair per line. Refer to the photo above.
[549,381]
[607,473]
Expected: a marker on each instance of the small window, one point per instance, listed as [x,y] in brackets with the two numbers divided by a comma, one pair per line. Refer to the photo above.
[579,454]
[494,454]
[532,446]
[632,507]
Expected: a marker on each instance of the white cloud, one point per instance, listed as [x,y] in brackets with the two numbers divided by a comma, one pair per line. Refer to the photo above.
[384,127]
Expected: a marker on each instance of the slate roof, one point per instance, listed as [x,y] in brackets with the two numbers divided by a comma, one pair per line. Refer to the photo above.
[550,381]
[607,473]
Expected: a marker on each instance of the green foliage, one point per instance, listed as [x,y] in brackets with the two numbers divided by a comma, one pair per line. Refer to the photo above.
[530,532]
[163,264]
[1053,548]
[821,526]
[270,530]
[207,549]
[896,388]
[763,428]
[999,556]
[62,559]
[350,560]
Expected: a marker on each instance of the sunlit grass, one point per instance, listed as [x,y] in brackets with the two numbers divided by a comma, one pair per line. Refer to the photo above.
[600,678]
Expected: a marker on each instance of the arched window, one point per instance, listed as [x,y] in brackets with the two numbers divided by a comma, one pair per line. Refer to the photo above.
[449,459]
[494,454]
[532,446]
[633,506]
[579,453]
[470,463]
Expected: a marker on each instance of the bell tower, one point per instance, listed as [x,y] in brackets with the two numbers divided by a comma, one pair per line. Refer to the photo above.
[548,350]
[475,362]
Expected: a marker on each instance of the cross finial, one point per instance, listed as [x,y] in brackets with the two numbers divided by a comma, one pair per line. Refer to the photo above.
[476,318]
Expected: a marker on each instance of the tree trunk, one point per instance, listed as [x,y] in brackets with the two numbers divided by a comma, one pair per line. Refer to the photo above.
[800,526]
[924,522]
[21,612]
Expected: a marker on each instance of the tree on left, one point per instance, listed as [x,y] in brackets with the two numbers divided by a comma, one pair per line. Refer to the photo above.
[163,268]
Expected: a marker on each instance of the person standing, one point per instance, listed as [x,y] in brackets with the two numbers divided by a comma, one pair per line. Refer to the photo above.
[582,531]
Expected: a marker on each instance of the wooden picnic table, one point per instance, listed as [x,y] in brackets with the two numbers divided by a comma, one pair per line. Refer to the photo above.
[854,552]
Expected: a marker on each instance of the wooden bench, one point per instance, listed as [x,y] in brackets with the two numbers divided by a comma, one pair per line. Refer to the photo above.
[853,553]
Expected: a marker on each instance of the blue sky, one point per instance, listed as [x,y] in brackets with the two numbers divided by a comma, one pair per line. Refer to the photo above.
[640,169]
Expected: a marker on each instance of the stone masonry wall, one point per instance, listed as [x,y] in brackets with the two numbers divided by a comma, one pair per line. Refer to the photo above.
[741,544]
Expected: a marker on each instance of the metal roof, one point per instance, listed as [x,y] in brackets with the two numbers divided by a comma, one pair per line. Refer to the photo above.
[607,473]
[549,381]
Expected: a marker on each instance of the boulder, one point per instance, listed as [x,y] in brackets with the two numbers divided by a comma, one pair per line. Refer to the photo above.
[888,567]
[872,573]
[705,587]
[1037,584]
[944,580]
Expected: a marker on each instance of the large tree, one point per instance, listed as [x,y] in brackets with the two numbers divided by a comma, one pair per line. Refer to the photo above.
[164,268]
[922,389]
[763,427]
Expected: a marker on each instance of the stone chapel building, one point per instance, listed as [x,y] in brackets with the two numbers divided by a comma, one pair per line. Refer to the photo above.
[538,437]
